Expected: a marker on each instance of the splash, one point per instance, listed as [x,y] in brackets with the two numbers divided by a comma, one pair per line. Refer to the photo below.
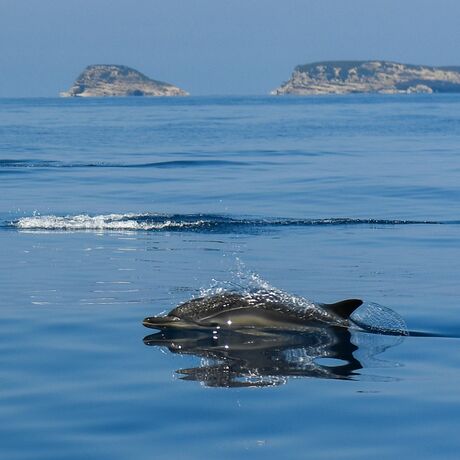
[106,222]
[376,318]
[369,317]
[251,285]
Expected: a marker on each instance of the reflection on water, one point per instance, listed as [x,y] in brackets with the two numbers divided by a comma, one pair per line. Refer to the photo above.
[261,358]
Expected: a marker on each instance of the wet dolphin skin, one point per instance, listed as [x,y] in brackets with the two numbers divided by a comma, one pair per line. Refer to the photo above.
[256,310]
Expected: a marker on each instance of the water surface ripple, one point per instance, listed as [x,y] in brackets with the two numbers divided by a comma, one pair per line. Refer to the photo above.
[112,210]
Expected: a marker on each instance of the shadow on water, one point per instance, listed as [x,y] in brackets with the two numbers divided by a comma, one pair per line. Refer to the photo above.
[266,358]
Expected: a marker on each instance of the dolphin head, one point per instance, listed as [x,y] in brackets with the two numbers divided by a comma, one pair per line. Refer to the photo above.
[168,321]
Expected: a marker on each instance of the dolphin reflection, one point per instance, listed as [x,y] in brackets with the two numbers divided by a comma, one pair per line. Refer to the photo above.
[262,358]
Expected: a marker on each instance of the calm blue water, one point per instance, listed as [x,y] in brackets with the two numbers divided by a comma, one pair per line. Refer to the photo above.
[113,210]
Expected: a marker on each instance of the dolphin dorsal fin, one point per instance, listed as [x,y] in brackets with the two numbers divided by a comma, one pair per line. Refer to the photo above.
[344,308]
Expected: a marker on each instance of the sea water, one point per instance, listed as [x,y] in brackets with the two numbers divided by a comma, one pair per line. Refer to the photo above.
[116,209]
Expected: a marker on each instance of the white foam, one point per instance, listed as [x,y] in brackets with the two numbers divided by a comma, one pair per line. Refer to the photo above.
[100,222]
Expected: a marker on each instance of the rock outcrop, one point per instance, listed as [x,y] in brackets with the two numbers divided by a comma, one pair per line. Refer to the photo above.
[118,80]
[343,77]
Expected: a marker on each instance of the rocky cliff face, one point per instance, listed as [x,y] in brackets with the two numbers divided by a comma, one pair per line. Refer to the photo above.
[342,77]
[118,80]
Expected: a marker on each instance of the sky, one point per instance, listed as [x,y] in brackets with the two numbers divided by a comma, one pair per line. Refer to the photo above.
[214,47]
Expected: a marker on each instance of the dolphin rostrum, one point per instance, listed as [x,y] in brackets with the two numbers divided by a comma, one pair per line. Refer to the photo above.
[261,309]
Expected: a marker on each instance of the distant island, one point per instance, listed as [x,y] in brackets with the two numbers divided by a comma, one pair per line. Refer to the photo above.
[118,80]
[344,77]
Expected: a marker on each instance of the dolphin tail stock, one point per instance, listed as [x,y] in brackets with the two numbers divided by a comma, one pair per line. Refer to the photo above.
[343,308]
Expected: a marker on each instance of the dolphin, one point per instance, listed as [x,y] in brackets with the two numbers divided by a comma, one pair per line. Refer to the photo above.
[256,310]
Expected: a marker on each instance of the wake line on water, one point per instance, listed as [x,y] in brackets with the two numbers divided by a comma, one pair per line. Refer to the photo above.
[49,164]
[189,222]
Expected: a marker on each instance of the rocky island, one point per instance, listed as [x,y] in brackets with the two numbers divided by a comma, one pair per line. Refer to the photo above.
[118,80]
[343,77]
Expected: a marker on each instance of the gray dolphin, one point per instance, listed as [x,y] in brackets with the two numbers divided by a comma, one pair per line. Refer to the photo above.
[261,309]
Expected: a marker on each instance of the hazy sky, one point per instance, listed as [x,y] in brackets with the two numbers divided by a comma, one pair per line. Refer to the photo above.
[214,46]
